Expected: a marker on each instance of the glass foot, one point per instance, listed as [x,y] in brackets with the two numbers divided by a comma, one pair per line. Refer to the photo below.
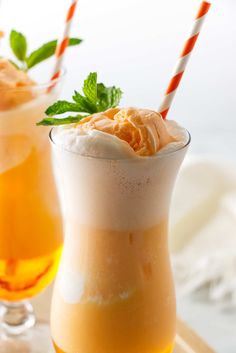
[16,317]
[35,340]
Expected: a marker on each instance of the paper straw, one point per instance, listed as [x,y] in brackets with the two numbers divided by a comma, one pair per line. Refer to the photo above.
[62,44]
[184,58]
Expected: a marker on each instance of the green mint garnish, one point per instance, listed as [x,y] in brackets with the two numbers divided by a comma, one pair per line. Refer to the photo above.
[90,88]
[61,121]
[46,51]
[61,107]
[108,96]
[96,98]
[18,44]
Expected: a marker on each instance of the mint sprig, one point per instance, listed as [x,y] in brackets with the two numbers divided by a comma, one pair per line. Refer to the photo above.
[96,98]
[61,107]
[46,51]
[18,45]
[90,88]
[62,121]
[108,96]
[25,61]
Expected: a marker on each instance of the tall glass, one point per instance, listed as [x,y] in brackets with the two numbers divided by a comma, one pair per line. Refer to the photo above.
[30,222]
[114,291]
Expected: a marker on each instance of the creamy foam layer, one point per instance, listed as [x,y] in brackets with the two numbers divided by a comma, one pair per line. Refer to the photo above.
[126,194]
[22,105]
[140,186]
[92,143]
[116,252]
[19,135]
[130,133]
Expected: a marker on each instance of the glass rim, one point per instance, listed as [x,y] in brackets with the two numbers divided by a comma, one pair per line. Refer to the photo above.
[130,159]
[39,86]
[38,90]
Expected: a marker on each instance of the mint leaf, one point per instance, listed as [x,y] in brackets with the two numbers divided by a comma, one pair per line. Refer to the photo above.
[97,98]
[84,104]
[18,44]
[61,121]
[46,51]
[61,107]
[108,97]
[90,88]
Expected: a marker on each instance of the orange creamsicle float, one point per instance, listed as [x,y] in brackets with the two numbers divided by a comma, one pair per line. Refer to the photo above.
[115,171]
[30,224]
[30,217]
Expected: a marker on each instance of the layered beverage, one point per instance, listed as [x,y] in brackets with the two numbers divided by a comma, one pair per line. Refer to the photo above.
[30,223]
[114,292]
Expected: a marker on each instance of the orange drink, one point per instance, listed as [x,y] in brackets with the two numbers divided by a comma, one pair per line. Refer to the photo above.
[129,300]
[30,224]
[114,291]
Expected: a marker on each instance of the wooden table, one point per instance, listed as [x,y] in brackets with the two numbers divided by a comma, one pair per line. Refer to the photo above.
[187,341]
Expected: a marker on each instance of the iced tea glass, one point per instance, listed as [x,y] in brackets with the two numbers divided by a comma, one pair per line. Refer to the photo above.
[114,290]
[30,220]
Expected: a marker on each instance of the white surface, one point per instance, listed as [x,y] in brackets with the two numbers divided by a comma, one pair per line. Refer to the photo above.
[216,326]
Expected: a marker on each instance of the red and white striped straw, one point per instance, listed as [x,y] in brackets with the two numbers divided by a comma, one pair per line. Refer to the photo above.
[184,58]
[62,44]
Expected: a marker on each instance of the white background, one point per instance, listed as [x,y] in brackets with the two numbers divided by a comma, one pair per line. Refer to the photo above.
[134,44]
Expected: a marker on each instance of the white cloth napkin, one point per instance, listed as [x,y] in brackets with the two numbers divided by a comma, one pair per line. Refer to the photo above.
[203,229]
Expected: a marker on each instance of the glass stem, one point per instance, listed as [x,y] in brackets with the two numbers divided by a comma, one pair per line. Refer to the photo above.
[16,317]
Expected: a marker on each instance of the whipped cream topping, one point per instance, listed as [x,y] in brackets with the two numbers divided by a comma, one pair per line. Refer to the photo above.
[15,86]
[93,143]
[121,133]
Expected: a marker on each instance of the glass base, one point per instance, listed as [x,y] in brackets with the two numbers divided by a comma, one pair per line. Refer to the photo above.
[36,339]
[16,317]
